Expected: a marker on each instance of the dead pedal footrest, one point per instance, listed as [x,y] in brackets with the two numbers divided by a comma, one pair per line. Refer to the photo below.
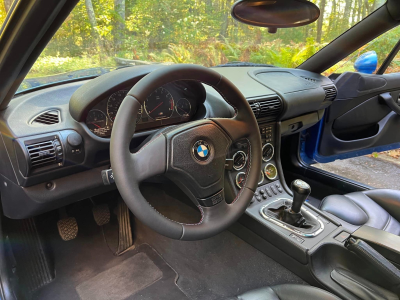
[101,214]
[67,228]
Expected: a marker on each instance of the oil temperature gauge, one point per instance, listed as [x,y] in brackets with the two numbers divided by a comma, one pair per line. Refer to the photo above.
[239,160]
[240,179]
[270,171]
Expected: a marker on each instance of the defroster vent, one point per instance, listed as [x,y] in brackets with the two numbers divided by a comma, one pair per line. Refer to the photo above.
[47,118]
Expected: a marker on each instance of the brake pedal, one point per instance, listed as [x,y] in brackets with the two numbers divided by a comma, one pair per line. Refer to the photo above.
[67,228]
[101,214]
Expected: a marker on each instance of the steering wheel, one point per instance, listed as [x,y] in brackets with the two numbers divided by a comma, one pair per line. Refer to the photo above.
[192,155]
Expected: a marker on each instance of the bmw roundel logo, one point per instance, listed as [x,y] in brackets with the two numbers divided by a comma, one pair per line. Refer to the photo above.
[201,150]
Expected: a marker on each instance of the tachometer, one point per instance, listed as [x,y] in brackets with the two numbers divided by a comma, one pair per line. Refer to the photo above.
[98,123]
[160,104]
[114,102]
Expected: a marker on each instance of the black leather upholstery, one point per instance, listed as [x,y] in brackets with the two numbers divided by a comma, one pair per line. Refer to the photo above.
[378,208]
[286,292]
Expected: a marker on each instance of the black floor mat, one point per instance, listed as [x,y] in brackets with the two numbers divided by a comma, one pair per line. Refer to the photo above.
[214,268]
[82,264]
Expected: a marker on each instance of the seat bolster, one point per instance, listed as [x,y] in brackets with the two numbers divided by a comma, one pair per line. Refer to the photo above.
[265,293]
[345,209]
[287,292]
[301,292]
[387,199]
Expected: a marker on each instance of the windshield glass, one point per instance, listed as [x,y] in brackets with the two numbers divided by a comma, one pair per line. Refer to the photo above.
[101,35]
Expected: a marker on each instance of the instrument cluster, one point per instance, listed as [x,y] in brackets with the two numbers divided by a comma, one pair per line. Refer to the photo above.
[170,104]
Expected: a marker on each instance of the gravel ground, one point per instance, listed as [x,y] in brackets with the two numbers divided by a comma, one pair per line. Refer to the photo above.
[381,172]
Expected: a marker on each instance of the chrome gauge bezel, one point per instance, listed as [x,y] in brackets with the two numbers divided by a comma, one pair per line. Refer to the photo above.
[236,179]
[176,107]
[262,176]
[245,160]
[262,151]
[272,178]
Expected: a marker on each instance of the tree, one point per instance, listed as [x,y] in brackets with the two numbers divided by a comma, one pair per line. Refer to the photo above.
[93,23]
[320,21]
[119,7]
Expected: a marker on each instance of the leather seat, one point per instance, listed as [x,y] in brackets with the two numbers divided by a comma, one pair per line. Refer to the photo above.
[378,208]
[286,292]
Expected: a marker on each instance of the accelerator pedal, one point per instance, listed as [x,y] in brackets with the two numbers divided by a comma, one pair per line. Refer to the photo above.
[67,226]
[125,239]
[101,214]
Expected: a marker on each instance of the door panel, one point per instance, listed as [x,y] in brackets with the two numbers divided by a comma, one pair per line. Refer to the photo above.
[358,122]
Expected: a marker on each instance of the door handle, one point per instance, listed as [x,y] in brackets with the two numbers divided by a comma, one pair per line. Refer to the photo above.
[388,99]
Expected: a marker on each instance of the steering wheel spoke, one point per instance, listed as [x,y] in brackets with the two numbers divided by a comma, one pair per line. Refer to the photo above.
[151,159]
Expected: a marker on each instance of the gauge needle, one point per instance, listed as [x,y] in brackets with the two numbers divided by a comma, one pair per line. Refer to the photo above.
[182,110]
[156,107]
[96,125]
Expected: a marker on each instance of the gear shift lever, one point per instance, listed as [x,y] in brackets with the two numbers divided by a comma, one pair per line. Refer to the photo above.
[301,190]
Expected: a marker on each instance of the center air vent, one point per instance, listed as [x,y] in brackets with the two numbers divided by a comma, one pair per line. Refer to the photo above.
[47,118]
[266,108]
[330,93]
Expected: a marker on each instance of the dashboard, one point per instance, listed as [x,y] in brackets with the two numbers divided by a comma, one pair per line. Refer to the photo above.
[173,103]
[58,137]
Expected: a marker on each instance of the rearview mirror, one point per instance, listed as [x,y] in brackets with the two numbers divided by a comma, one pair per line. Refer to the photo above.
[275,14]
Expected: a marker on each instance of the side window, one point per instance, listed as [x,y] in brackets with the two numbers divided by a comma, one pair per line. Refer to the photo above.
[382,46]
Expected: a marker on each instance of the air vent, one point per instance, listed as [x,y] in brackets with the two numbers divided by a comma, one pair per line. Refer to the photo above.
[42,154]
[47,118]
[255,107]
[264,108]
[330,93]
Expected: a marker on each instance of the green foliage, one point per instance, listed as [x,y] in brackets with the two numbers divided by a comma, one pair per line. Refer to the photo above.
[186,31]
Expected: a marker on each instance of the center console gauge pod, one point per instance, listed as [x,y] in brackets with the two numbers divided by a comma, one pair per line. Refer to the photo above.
[267,152]
[270,171]
[239,160]
[240,179]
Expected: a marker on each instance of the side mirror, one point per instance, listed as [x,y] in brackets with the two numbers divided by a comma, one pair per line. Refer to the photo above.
[367,62]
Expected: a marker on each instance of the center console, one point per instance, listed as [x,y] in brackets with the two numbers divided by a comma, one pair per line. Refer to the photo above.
[280,222]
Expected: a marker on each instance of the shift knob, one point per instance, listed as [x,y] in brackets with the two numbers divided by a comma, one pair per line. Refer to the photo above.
[301,190]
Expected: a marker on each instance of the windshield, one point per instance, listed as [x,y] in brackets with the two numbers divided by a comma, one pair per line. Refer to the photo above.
[101,35]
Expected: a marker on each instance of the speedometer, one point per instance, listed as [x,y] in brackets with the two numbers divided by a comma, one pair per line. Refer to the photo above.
[160,104]
[114,102]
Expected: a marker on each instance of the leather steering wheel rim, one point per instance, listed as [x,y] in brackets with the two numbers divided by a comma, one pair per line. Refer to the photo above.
[162,155]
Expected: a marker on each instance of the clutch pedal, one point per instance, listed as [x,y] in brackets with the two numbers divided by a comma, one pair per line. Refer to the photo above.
[101,214]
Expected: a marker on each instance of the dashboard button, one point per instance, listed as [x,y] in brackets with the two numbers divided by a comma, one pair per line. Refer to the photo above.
[268,192]
[265,196]
[274,190]
[258,198]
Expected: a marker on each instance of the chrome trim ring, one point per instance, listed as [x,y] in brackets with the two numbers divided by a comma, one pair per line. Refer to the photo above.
[273,152]
[245,160]
[262,180]
[290,228]
[272,178]
[236,180]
